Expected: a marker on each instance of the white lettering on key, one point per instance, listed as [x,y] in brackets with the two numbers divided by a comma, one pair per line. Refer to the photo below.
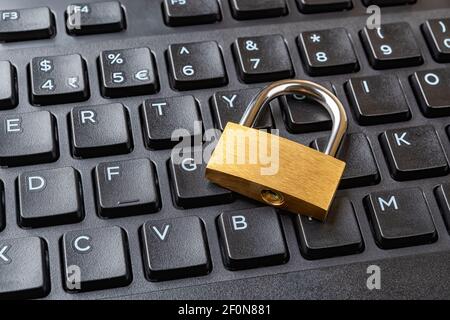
[401,139]
[13,125]
[79,247]
[383,203]
[3,257]
[112,171]
[162,235]
[432,79]
[10,15]
[239,223]
[184,50]
[159,106]
[88,115]
[36,183]
[230,101]
[188,164]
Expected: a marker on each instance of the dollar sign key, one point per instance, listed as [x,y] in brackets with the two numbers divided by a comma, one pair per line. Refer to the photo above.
[46,65]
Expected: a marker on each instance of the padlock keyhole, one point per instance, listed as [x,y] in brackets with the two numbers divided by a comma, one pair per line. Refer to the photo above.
[272,197]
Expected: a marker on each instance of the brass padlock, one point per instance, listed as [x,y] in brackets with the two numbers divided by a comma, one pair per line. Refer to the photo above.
[305,181]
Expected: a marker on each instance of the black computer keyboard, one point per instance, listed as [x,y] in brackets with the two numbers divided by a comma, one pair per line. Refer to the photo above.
[91,93]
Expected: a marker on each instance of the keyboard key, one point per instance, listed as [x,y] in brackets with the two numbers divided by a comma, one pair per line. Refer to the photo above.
[414,153]
[377,99]
[184,13]
[161,117]
[229,106]
[128,72]
[386,3]
[400,218]
[126,188]
[28,138]
[437,34]
[315,6]
[249,9]
[175,248]
[442,193]
[251,238]
[355,150]
[190,188]
[196,66]
[24,270]
[327,52]
[338,236]
[95,259]
[8,87]
[391,46]
[262,59]
[26,24]
[58,79]
[100,131]
[302,114]
[41,202]
[431,90]
[91,18]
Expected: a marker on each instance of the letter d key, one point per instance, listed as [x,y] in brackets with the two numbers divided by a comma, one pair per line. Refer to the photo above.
[305,181]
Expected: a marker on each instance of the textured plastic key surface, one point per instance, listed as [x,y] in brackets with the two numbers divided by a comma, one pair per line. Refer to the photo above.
[337,277]
[306,179]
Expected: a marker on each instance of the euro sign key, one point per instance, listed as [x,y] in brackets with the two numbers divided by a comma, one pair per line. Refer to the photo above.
[306,180]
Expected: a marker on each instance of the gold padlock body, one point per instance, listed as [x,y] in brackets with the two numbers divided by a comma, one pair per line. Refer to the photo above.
[306,180]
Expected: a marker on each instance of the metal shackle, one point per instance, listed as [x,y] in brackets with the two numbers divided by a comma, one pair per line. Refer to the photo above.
[311,90]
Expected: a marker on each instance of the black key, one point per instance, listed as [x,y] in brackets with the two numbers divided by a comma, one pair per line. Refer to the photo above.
[175,248]
[249,9]
[391,46]
[24,270]
[431,90]
[189,186]
[8,87]
[229,106]
[338,236]
[100,130]
[414,153]
[184,13]
[386,3]
[302,114]
[26,24]
[95,259]
[442,193]
[97,17]
[315,6]
[327,52]
[128,72]
[58,79]
[41,202]
[400,218]
[126,188]
[161,117]
[28,138]
[262,59]
[437,34]
[251,238]
[361,169]
[2,206]
[196,66]
[377,99]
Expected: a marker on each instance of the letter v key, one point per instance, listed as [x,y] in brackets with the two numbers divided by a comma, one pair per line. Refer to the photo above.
[164,233]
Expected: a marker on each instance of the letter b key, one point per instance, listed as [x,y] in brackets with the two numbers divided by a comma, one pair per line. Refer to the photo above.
[297,179]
